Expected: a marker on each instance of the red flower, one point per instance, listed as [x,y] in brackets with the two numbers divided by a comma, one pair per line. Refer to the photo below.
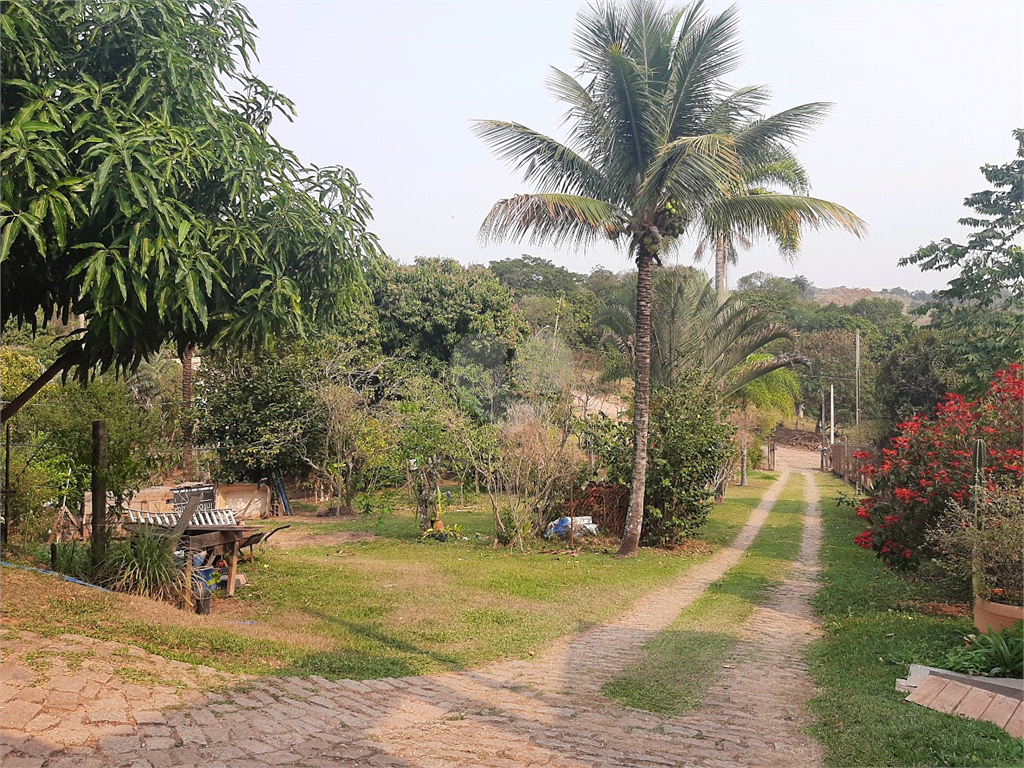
[930,463]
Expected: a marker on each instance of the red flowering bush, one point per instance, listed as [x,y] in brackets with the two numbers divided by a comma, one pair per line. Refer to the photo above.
[930,464]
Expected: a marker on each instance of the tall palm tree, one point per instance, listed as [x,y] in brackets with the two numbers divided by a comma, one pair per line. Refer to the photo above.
[646,157]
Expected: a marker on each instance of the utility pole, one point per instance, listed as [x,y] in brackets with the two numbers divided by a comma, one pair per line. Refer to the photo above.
[832,414]
[822,429]
[857,367]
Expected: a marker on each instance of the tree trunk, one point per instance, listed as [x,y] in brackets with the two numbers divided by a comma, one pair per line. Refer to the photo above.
[188,449]
[62,364]
[98,544]
[641,405]
[426,494]
[721,281]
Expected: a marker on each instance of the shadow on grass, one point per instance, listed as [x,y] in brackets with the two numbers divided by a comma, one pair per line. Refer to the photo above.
[362,665]
[674,673]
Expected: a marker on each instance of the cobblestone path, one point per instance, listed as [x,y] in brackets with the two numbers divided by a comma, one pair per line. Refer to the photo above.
[543,712]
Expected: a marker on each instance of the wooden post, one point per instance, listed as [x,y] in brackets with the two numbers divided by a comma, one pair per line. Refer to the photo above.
[7,486]
[233,568]
[99,491]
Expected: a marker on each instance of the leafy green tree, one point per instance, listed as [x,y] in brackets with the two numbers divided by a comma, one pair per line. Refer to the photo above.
[760,405]
[427,308]
[433,437]
[772,294]
[534,276]
[982,305]
[356,396]
[650,150]
[832,356]
[144,196]
[915,376]
[259,414]
[63,429]
[569,316]
[803,286]
[18,369]
[550,298]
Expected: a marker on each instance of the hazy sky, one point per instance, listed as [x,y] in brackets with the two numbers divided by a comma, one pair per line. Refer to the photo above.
[924,93]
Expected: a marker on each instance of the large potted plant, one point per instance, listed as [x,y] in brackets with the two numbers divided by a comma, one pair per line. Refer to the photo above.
[983,545]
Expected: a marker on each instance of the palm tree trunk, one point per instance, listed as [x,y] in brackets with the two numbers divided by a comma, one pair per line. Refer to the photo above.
[641,405]
[721,281]
[188,448]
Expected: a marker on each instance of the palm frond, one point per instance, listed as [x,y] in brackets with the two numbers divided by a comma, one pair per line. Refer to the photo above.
[782,169]
[568,90]
[541,159]
[693,169]
[781,129]
[619,327]
[737,108]
[598,27]
[632,119]
[705,51]
[549,218]
[780,217]
[777,390]
[743,376]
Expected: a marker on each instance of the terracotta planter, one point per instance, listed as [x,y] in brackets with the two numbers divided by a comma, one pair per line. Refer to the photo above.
[995,616]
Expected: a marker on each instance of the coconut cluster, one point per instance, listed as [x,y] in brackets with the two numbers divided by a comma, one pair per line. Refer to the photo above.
[669,224]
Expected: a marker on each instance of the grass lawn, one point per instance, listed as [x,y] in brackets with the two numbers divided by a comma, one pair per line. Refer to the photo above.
[677,667]
[877,625]
[392,605]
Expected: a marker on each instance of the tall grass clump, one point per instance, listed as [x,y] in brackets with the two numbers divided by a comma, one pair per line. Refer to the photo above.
[72,560]
[145,564]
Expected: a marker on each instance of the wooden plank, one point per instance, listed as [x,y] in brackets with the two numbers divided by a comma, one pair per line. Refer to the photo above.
[928,690]
[203,540]
[974,703]
[1000,710]
[186,516]
[1015,725]
[950,697]
[188,580]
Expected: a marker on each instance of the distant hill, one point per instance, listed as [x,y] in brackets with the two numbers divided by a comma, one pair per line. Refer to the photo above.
[844,296]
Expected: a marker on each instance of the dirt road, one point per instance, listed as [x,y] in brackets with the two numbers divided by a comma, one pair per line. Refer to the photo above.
[80,710]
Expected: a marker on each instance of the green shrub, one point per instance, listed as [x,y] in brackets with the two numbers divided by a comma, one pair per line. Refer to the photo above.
[688,444]
[145,564]
[994,654]
[996,546]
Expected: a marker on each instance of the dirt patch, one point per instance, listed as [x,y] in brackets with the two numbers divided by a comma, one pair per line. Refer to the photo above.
[797,459]
[797,438]
[292,539]
[945,609]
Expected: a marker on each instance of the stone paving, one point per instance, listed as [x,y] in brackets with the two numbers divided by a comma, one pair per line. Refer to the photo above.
[73,701]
